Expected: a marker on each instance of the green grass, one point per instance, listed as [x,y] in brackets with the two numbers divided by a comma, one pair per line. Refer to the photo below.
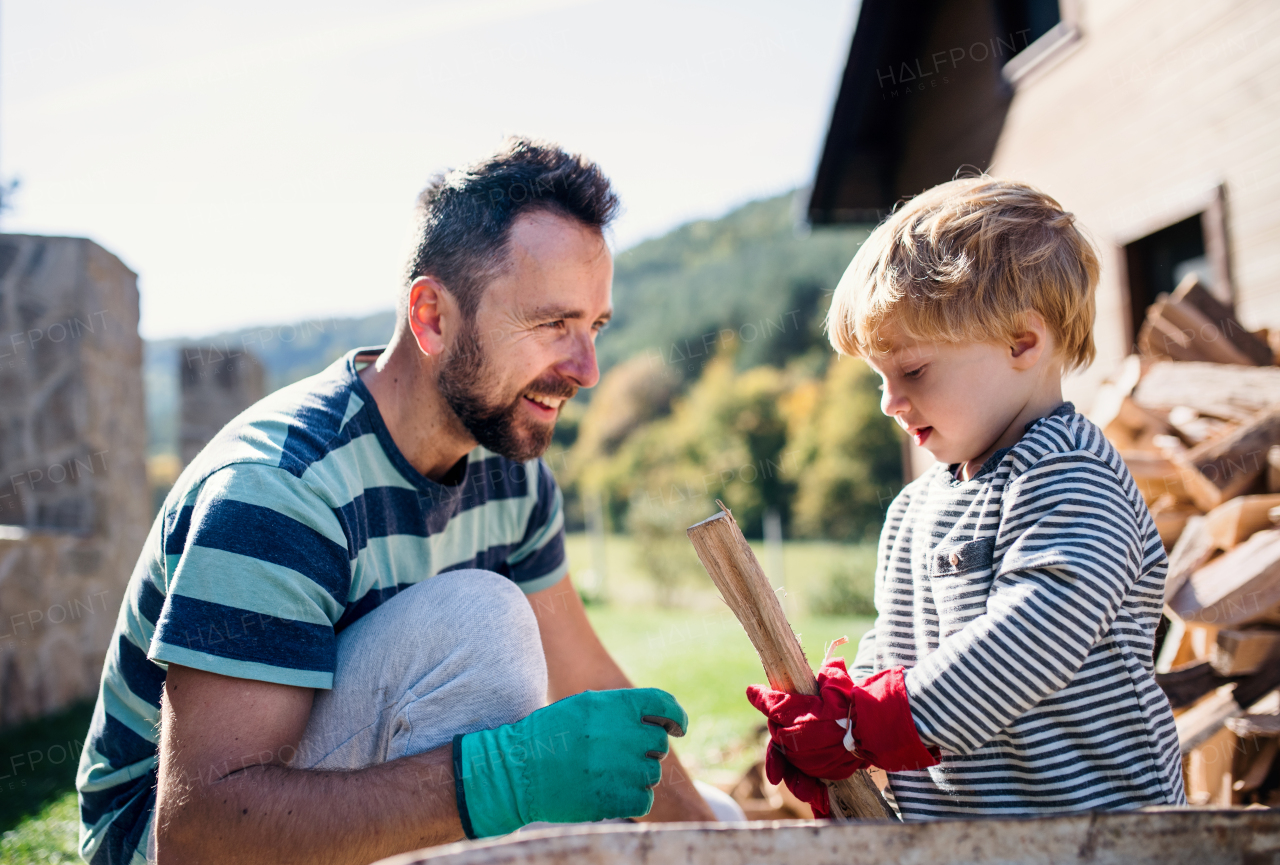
[695,650]
[50,835]
[38,819]
[699,652]
[705,660]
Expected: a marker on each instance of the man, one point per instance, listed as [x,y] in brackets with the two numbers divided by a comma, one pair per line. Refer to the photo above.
[324,654]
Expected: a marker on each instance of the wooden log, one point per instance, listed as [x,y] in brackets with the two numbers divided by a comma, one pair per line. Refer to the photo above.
[1210,778]
[1171,517]
[1259,766]
[1224,391]
[1185,685]
[1155,475]
[1132,427]
[1238,587]
[1236,520]
[1252,346]
[1224,468]
[1203,720]
[1273,469]
[737,574]
[1156,836]
[1178,330]
[1195,546]
[1240,653]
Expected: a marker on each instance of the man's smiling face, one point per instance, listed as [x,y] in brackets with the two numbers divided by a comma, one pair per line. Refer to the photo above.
[532,342]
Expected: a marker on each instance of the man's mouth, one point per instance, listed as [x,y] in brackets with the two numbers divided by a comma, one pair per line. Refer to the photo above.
[543,406]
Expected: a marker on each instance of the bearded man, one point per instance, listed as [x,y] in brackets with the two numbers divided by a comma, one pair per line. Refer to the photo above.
[341,637]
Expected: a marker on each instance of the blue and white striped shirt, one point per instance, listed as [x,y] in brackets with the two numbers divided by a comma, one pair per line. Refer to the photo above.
[1024,604]
[300,517]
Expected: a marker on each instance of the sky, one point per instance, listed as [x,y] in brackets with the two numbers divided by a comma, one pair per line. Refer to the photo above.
[257,162]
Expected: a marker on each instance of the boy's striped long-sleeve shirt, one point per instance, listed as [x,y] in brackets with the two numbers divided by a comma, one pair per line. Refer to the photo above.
[1023,603]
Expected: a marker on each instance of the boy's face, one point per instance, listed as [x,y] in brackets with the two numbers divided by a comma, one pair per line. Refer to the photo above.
[956,400]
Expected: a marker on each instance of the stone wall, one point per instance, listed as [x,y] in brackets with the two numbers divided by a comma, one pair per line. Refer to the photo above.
[216,386]
[74,509]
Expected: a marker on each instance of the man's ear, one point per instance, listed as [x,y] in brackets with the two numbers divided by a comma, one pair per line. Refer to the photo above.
[1030,345]
[427,308]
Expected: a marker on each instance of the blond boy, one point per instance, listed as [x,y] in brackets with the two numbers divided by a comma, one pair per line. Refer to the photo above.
[1019,584]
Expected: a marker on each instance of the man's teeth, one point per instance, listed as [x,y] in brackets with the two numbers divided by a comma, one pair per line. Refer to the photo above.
[548,401]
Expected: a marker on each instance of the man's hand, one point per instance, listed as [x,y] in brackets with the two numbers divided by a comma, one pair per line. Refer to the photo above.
[592,756]
[577,661]
[227,794]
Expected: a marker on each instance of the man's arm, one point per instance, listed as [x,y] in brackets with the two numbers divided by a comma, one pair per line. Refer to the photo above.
[577,661]
[226,793]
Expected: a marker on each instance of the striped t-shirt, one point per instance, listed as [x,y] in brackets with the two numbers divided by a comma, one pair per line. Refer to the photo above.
[300,517]
[1024,604]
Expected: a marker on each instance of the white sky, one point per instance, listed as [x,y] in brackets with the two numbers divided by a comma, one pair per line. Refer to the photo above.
[257,162]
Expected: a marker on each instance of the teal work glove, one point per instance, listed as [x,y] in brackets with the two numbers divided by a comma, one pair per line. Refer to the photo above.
[591,756]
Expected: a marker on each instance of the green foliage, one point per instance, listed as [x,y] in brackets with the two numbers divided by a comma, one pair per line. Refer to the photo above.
[850,457]
[288,352]
[750,272]
[850,587]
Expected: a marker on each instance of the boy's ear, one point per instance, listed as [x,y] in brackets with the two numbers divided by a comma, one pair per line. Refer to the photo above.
[1030,345]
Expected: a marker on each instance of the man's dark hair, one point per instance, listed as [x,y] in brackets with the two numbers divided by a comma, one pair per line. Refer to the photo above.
[464,216]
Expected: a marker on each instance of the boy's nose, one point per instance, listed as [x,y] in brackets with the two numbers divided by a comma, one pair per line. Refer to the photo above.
[893,403]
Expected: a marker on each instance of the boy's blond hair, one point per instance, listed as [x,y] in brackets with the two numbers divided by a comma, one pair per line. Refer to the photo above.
[965,262]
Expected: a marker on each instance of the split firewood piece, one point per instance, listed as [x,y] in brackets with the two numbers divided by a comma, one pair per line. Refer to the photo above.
[1156,476]
[1132,427]
[1178,330]
[737,574]
[1224,468]
[1239,586]
[1236,520]
[1226,391]
[1188,683]
[1197,724]
[1240,653]
[1171,517]
[1195,546]
[1192,293]
[1260,766]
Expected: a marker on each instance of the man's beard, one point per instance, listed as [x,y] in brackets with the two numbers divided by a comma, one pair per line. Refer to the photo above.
[462,381]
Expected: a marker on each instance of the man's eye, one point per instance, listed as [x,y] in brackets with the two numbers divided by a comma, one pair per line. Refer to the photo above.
[558,324]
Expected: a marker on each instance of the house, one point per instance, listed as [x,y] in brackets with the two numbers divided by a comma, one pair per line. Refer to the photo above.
[1157,122]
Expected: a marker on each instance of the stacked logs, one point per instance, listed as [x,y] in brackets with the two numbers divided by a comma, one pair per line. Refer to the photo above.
[1196,416]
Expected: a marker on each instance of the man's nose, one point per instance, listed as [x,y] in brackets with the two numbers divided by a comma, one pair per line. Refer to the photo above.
[580,366]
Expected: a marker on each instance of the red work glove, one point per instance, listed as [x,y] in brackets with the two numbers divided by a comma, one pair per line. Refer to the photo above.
[842,729]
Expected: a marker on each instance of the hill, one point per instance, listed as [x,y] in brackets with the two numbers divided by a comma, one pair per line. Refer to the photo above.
[676,299]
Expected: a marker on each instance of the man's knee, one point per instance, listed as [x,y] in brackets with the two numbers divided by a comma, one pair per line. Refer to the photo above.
[488,626]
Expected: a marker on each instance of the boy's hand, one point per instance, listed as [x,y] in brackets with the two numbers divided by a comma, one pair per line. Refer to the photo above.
[843,728]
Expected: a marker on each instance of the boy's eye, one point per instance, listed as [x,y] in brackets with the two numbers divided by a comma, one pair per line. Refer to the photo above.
[914,373]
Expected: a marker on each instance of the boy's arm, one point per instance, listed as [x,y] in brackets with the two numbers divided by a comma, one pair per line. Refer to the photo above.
[1074,552]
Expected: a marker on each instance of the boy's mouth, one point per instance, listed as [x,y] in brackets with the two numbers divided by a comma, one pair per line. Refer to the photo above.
[920,434]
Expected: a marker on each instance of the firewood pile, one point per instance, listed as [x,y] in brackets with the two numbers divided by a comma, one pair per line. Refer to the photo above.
[1196,416]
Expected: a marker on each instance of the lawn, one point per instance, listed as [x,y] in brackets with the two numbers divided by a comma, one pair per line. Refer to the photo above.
[699,652]
[38,820]
[694,649]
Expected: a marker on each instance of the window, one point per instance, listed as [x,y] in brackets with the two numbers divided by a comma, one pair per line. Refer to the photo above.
[1028,19]
[1156,263]
[1043,30]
